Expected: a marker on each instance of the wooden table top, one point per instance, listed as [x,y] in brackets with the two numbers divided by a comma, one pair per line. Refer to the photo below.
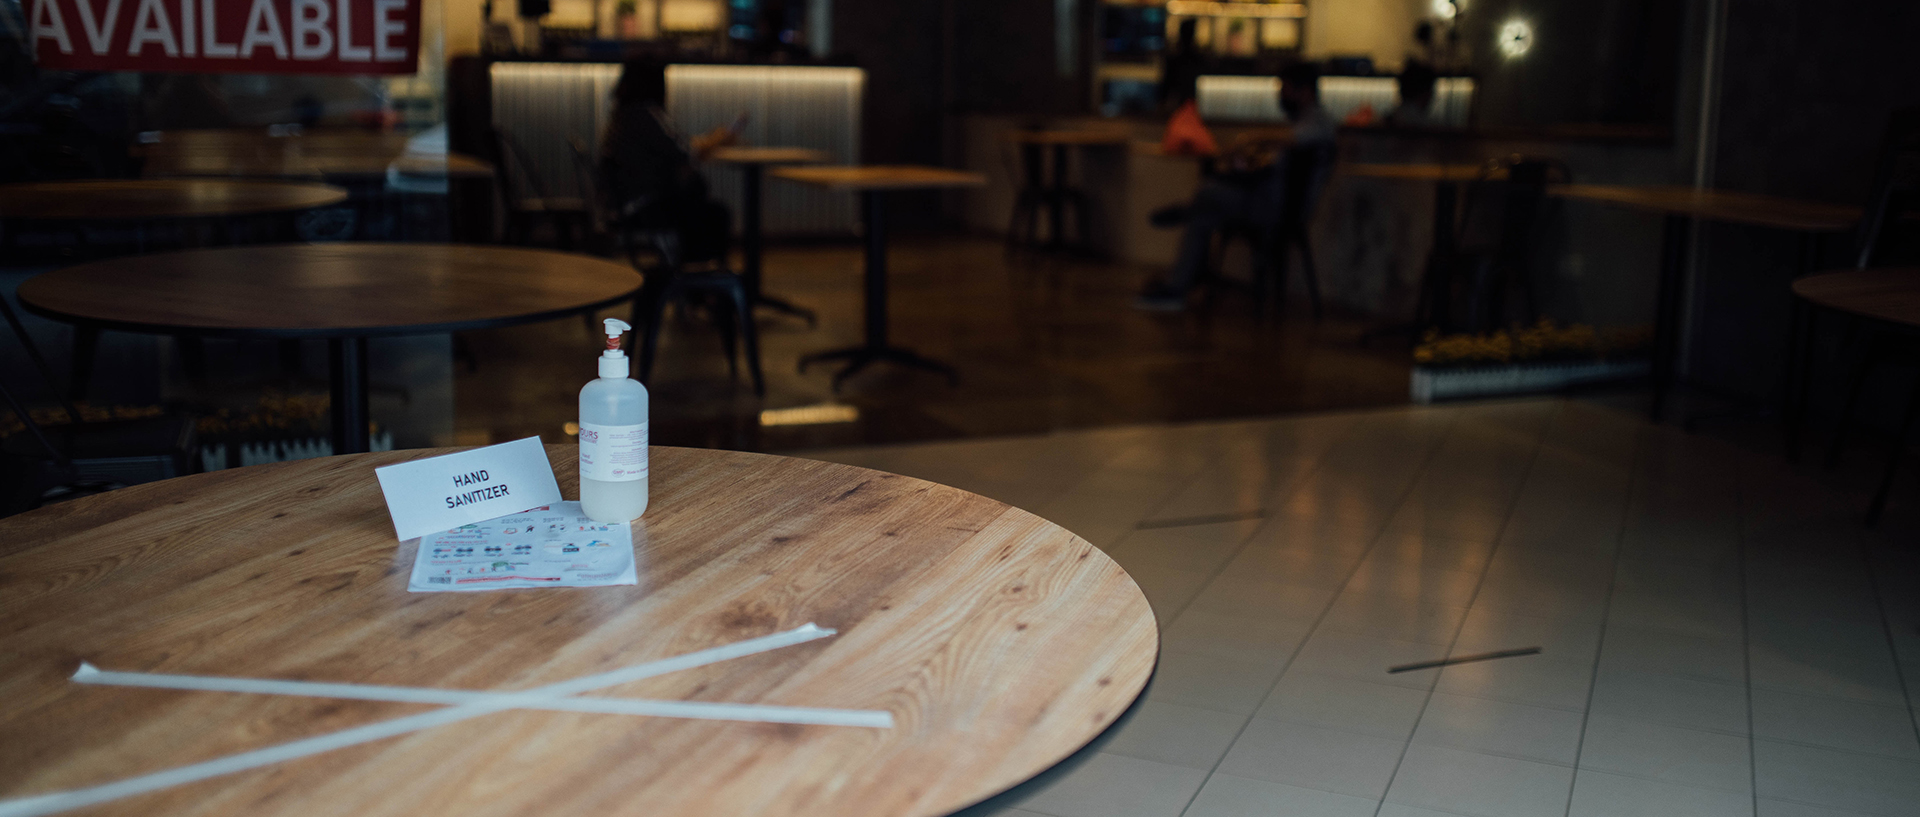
[999,642]
[1719,205]
[328,290]
[1887,294]
[1069,137]
[152,199]
[315,155]
[880,177]
[1421,172]
[745,155]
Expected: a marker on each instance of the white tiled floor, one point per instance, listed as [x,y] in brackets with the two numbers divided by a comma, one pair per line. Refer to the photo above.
[1718,635]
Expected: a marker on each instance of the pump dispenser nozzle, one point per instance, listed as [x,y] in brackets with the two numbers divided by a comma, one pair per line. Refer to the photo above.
[613,362]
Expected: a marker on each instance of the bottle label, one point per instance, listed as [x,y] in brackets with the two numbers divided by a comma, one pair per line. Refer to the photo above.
[613,453]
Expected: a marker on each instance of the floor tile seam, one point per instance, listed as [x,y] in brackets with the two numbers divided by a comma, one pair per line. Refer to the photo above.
[1434,809]
[1742,553]
[1831,807]
[1635,476]
[1416,741]
[1834,698]
[1497,699]
[1433,451]
[1306,477]
[1320,788]
[1297,722]
[1907,686]
[1913,758]
[1770,686]
[1400,761]
[1651,779]
[1687,726]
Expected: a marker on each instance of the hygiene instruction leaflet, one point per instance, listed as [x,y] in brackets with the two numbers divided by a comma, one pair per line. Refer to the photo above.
[550,546]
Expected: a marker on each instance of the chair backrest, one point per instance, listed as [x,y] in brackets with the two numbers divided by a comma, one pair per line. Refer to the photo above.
[1305,170]
[1521,197]
[584,175]
[53,451]
[1896,183]
[517,180]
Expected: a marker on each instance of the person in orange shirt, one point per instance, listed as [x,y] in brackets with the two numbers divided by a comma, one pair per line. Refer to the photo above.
[1249,191]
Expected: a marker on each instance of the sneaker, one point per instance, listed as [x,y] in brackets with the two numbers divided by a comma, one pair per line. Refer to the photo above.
[1158,298]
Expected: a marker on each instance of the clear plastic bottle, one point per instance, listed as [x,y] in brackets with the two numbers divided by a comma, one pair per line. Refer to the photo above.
[613,438]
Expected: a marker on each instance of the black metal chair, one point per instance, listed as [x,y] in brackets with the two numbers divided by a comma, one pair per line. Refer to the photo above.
[527,201]
[657,251]
[1896,189]
[1304,172]
[84,457]
[1495,250]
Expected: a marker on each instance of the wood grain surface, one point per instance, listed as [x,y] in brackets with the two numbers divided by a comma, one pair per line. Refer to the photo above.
[328,290]
[1000,642]
[1068,137]
[1891,294]
[317,154]
[155,199]
[880,177]
[1719,205]
[1421,172]
[746,155]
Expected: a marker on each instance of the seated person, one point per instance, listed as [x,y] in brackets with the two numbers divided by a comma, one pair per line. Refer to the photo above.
[650,175]
[1247,190]
[1415,110]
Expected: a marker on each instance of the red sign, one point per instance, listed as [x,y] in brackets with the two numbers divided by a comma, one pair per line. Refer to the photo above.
[228,36]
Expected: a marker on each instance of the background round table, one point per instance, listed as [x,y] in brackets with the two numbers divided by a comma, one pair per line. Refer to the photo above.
[343,292]
[1000,643]
[873,182]
[160,199]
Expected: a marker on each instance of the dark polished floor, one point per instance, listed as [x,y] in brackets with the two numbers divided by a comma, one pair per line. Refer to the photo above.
[1042,343]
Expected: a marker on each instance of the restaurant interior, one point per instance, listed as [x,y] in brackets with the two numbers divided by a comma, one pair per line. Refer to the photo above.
[1505,408]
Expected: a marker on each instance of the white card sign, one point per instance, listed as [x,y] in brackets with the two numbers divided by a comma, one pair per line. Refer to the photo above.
[443,493]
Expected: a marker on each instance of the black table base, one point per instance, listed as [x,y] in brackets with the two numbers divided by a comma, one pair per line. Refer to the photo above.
[877,348]
[751,245]
[347,394]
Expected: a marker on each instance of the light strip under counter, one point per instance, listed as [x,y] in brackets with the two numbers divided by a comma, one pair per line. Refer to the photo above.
[1257,98]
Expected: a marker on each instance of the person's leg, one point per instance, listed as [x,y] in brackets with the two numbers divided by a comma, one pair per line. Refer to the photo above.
[1216,204]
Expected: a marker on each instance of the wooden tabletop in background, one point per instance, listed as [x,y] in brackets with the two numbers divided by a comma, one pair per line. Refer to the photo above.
[154,199]
[328,290]
[1069,137]
[319,154]
[1719,205]
[746,155]
[880,177]
[1000,642]
[1421,171]
[1890,294]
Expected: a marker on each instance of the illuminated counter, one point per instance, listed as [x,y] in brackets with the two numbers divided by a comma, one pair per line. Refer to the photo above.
[547,107]
[1257,98]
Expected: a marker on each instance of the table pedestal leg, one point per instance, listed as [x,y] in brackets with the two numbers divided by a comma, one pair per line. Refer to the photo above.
[876,348]
[750,247]
[1057,201]
[349,394]
[1666,320]
[86,346]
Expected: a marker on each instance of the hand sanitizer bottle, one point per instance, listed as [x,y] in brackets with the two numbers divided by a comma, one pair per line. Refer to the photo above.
[613,438]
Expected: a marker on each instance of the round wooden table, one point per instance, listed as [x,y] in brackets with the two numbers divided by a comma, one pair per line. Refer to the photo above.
[999,642]
[753,162]
[160,199]
[873,182]
[344,293]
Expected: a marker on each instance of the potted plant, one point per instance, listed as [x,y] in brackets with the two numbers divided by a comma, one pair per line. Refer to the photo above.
[1522,360]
